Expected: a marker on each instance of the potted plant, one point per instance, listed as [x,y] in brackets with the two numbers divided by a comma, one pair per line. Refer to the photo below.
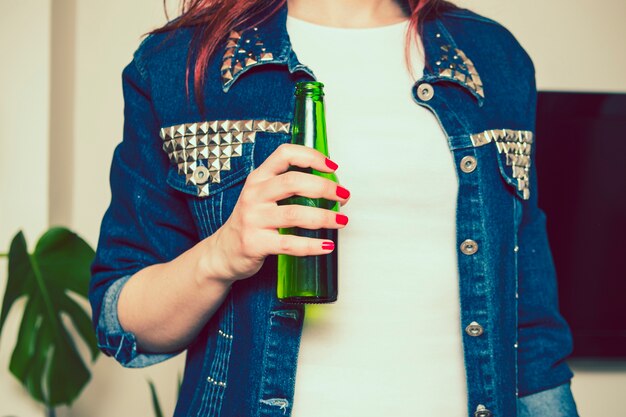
[54,281]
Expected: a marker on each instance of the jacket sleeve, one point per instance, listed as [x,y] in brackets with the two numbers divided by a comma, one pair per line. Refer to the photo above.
[147,222]
[544,338]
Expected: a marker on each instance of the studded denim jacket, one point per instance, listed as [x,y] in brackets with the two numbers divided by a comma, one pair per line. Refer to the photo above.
[177,173]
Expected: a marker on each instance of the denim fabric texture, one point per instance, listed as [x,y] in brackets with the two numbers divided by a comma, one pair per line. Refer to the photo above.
[554,402]
[243,363]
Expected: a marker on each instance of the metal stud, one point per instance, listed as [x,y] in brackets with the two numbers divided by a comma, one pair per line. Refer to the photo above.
[469,247]
[253,52]
[226,64]
[224,334]
[482,411]
[446,73]
[216,141]
[227,76]
[465,73]
[468,164]
[214,382]
[425,92]
[474,329]
[516,145]
[238,67]
[201,175]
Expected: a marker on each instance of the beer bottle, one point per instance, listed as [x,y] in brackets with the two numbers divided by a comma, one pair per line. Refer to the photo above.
[309,279]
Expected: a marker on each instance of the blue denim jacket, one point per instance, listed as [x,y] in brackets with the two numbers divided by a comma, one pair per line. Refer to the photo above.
[178,171]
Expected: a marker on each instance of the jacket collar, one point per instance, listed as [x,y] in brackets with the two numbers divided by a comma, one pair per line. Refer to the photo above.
[268,43]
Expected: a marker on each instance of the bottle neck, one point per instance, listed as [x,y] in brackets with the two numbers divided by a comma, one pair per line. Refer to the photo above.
[309,123]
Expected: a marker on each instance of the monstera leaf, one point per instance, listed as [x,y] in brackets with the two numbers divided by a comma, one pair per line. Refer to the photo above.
[45,358]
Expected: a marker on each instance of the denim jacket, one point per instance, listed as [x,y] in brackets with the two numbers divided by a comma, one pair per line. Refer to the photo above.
[177,173]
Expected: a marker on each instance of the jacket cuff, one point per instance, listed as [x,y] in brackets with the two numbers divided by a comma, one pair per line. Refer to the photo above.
[114,341]
[555,402]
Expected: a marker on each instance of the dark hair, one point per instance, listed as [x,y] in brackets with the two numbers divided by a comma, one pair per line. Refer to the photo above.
[217,18]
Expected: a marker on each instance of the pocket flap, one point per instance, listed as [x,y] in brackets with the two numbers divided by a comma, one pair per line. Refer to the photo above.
[514,155]
[211,155]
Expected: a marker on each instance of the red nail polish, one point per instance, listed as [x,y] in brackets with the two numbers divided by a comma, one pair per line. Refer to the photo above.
[328,245]
[342,219]
[342,192]
[330,164]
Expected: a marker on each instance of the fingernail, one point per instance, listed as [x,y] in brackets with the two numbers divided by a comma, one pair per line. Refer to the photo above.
[342,192]
[330,164]
[342,219]
[328,245]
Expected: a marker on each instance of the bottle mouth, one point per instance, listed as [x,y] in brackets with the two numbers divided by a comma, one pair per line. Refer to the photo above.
[309,89]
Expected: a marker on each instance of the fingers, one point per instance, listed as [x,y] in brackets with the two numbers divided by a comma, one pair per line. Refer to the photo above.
[287,155]
[300,246]
[311,218]
[302,184]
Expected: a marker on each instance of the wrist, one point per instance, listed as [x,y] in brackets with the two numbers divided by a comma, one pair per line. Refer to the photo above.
[211,263]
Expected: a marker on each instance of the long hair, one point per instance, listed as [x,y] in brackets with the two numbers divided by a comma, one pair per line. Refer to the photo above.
[215,19]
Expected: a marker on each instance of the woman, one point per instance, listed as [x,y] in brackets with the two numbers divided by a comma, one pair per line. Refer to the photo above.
[447,303]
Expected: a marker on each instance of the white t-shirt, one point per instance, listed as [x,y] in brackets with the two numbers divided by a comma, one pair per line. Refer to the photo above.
[392,343]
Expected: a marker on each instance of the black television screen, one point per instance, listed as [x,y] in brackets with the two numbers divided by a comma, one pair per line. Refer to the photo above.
[581,168]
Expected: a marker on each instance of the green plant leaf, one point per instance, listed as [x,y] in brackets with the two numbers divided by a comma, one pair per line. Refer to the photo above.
[156,406]
[45,358]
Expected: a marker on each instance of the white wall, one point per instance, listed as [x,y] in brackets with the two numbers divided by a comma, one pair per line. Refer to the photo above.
[82,46]
[575,44]
[24,118]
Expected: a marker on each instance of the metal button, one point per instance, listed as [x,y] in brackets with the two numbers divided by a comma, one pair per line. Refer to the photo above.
[469,247]
[201,174]
[468,164]
[425,91]
[481,411]
[474,329]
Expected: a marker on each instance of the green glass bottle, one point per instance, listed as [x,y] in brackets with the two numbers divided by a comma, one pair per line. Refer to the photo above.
[309,279]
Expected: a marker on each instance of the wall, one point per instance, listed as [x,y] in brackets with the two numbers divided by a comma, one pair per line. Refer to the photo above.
[24,124]
[62,86]
[575,45]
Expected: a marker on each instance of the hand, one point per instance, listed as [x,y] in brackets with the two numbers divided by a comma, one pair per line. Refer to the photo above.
[251,232]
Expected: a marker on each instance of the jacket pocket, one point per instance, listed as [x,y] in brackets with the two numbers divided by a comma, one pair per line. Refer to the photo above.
[514,149]
[210,161]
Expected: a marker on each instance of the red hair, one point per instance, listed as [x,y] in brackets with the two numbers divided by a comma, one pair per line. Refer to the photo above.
[216,19]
